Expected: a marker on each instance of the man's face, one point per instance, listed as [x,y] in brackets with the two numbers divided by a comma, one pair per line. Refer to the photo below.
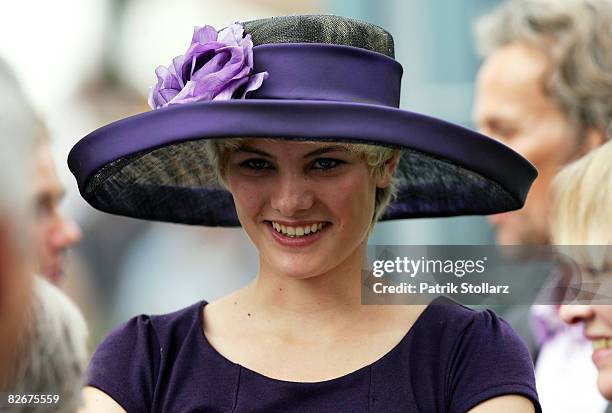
[513,107]
[53,232]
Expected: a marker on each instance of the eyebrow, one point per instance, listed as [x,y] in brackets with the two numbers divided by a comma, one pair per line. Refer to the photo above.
[318,151]
[46,197]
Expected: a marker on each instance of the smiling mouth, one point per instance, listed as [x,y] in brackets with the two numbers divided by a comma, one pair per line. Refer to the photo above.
[297,231]
[602,343]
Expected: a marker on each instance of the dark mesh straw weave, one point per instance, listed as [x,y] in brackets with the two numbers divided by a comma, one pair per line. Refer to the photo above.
[179,178]
[321,29]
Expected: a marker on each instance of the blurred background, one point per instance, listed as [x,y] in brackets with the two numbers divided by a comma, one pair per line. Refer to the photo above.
[87,63]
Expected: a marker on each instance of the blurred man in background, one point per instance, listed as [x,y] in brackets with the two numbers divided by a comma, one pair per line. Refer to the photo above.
[18,138]
[53,232]
[43,335]
[545,89]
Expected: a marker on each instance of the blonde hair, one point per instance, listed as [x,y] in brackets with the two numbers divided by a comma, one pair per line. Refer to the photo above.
[582,204]
[376,157]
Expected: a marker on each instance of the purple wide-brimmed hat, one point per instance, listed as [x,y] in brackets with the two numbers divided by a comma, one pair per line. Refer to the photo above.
[316,78]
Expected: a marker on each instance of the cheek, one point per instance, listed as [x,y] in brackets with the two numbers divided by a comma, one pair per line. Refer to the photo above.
[40,233]
[604,314]
[248,198]
[548,146]
[547,143]
[351,196]
[604,383]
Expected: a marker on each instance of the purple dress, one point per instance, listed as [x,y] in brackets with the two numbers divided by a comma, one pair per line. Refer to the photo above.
[450,360]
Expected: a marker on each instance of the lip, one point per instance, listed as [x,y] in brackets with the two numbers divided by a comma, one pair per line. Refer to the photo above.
[55,274]
[297,242]
[600,356]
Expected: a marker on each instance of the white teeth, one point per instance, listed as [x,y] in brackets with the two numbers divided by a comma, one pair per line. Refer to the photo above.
[602,343]
[297,231]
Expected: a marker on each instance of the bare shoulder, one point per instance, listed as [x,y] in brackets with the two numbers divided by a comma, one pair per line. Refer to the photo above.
[222,313]
[96,401]
[507,403]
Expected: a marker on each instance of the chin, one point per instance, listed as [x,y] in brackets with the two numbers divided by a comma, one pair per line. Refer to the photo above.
[604,384]
[504,238]
[520,235]
[299,271]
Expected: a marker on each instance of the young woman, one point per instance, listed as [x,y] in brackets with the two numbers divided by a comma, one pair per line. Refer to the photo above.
[583,224]
[306,164]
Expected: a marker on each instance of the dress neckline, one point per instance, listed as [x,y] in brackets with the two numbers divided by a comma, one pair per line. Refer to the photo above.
[208,346]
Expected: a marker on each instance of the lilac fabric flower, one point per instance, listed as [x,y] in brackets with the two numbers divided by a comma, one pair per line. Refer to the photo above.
[217,66]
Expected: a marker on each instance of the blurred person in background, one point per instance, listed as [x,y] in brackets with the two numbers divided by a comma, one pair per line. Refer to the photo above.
[54,355]
[545,90]
[43,335]
[18,138]
[53,232]
[582,224]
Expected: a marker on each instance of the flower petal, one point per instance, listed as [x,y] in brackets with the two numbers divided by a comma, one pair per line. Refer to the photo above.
[176,70]
[215,64]
[254,83]
[231,35]
[247,47]
[152,98]
[196,56]
[228,92]
[203,34]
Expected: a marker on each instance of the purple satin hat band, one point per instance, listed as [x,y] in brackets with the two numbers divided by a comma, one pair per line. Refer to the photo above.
[313,71]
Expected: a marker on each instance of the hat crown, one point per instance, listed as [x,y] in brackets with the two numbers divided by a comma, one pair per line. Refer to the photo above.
[326,29]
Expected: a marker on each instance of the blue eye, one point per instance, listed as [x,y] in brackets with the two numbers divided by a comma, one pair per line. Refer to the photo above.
[326,163]
[256,164]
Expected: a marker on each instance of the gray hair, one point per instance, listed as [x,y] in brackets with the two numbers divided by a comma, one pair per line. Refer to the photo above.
[577,37]
[55,353]
[19,135]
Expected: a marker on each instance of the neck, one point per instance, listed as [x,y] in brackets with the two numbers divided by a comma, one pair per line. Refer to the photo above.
[332,294]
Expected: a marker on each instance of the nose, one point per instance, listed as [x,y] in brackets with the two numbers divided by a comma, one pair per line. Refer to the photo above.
[293,193]
[572,314]
[497,219]
[66,233]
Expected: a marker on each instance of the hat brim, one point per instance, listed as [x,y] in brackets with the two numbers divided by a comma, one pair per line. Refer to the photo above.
[154,166]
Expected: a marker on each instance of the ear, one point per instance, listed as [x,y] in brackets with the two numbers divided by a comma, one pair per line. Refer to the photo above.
[593,138]
[388,170]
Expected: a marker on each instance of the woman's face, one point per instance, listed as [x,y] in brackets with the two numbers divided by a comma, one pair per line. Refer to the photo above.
[306,206]
[597,321]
